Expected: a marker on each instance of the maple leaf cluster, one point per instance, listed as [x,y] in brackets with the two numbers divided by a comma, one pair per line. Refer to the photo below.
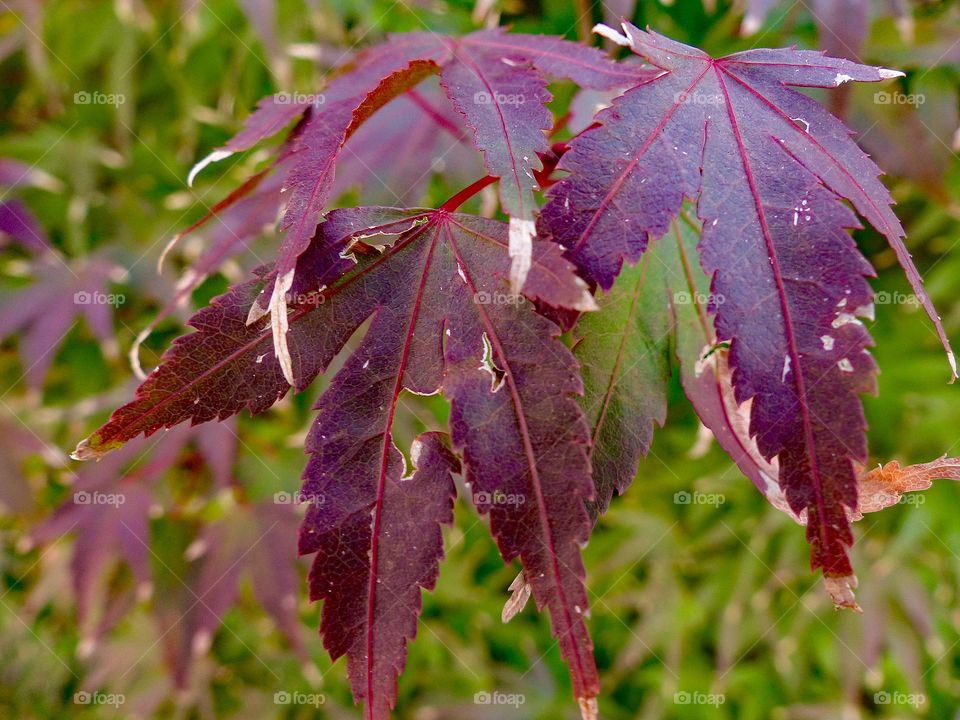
[702,219]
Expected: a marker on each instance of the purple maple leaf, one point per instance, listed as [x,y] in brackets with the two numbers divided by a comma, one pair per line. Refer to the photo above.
[768,167]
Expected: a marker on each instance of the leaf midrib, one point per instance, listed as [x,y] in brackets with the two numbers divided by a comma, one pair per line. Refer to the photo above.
[520,414]
[809,442]
[382,480]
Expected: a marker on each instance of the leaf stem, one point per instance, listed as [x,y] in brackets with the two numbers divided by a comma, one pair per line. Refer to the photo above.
[468,192]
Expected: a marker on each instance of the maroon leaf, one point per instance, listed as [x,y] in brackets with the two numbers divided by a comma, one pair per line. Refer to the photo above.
[228,364]
[496,81]
[788,281]
[232,225]
[707,380]
[381,75]
[256,540]
[109,508]
[210,374]
[584,65]
[370,574]
[774,361]
[505,106]
[21,225]
[45,312]
[704,366]
[273,114]
[490,358]
[442,319]
[489,76]
[662,124]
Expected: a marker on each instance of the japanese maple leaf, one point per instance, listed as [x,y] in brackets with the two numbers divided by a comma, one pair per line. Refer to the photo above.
[484,357]
[16,220]
[703,360]
[495,80]
[255,540]
[44,312]
[108,511]
[442,319]
[229,227]
[768,168]
[624,357]
[370,574]
[706,377]
[391,158]
[19,224]
[378,76]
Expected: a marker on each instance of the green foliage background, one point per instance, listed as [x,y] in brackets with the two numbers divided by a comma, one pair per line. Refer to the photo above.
[686,598]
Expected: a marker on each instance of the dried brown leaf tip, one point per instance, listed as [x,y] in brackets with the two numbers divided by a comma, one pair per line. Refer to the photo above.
[884,486]
[840,590]
[881,488]
[520,593]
